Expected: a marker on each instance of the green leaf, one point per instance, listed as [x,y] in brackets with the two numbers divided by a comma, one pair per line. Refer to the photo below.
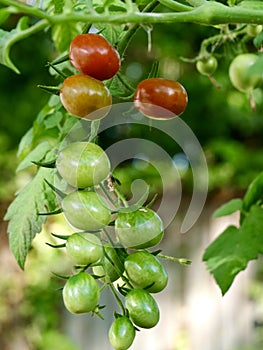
[234,248]
[258,41]
[63,33]
[53,120]
[229,208]
[5,45]
[254,194]
[24,221]
[58,6]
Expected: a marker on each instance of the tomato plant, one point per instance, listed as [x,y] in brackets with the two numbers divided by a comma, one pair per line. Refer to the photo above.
[83,164]
[121,333]
[81,293]
[81,95]
[86,210]
[160,98]
[93,55]
[207,66]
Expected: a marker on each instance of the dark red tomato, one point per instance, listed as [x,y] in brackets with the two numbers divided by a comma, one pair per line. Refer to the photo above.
[160,98]
[93,55]
[81,95]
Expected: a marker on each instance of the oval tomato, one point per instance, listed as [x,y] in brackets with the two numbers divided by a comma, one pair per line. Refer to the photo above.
[81,293]
[160,98]
[142,228]
[144,270]
[86,210]
[84,248]
[142,307]
[81,95]
[83,164]
[121,333]
[93,55]
[207,66]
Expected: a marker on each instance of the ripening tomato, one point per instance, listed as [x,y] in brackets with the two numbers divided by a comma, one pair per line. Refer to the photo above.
[121,333]
[83,164]
[142,228]
[86,210]
[145,271]
[93,55]
[160,98]
[82,95]
[81,293]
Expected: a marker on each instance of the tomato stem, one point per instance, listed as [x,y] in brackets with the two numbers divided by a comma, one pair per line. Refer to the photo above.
[117,299]
[181,261]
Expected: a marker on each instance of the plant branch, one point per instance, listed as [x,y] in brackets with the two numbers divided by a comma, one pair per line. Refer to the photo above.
[175,5]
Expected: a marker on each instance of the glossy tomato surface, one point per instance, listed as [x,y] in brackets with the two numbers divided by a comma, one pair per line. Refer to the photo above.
[142,228]
[82,95]
[81,293]
[121,333]
[160,98]
[86,210]
[93,55]
[207,66]
[83,164]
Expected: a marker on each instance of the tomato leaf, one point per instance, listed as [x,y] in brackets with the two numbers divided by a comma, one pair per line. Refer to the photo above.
[254,194]
[22,214]
[234,248]
[229,208]
[63,33]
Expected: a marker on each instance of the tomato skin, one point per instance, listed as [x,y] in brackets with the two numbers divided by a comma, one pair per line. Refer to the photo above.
[140,229]
[207,66]
[86,210]
[144,269]
[121,333]
[84,248]
[83,164]
[81,293]
[81,95]
[93,55]
[160,98]
[238,72]
[142,307]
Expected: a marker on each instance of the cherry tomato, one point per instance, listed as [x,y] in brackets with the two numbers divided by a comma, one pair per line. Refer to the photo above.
[83,164]
[121,333]
[142,307]
[81,293]
[84,248]
[86,210]
[81,95]
[143,270]
[239,73]
[142,228]
[207,66]
[111,267]
[93,55]
[254,29]
[160,98]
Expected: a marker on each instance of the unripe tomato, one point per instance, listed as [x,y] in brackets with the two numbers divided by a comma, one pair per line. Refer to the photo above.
[81,293]
[121,333]
[83,164]
[81,95]
[207,66]
[142,307]
[160,98]
[111,267]
[93,55]
[239,73]
[143,270]
[142,228]
[254,29]
[86,210]
[84,248]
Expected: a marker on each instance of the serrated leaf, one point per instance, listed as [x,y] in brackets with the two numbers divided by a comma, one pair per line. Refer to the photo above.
[53,120]
[254,194]
[235,248]
[22,214]
[63,33]
[258,41]
[229,208]
[58,6]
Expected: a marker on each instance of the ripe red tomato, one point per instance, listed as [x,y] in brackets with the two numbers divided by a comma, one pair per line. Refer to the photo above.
[81,95]
[160,98]
[93,55]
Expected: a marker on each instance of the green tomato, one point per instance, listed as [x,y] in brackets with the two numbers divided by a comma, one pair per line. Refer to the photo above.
[86,210]
[207,66]
[83,164]
[81,293]
[121,333]
[143,270]
[239,73]
[84,248]
[254,29]
[111,267]
[142,228]
[142,307]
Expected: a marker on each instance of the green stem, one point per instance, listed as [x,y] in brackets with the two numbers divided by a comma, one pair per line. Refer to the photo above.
[118,299]
[181,261]
[176,6]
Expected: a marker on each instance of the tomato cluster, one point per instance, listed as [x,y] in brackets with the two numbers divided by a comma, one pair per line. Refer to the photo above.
[100,256]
